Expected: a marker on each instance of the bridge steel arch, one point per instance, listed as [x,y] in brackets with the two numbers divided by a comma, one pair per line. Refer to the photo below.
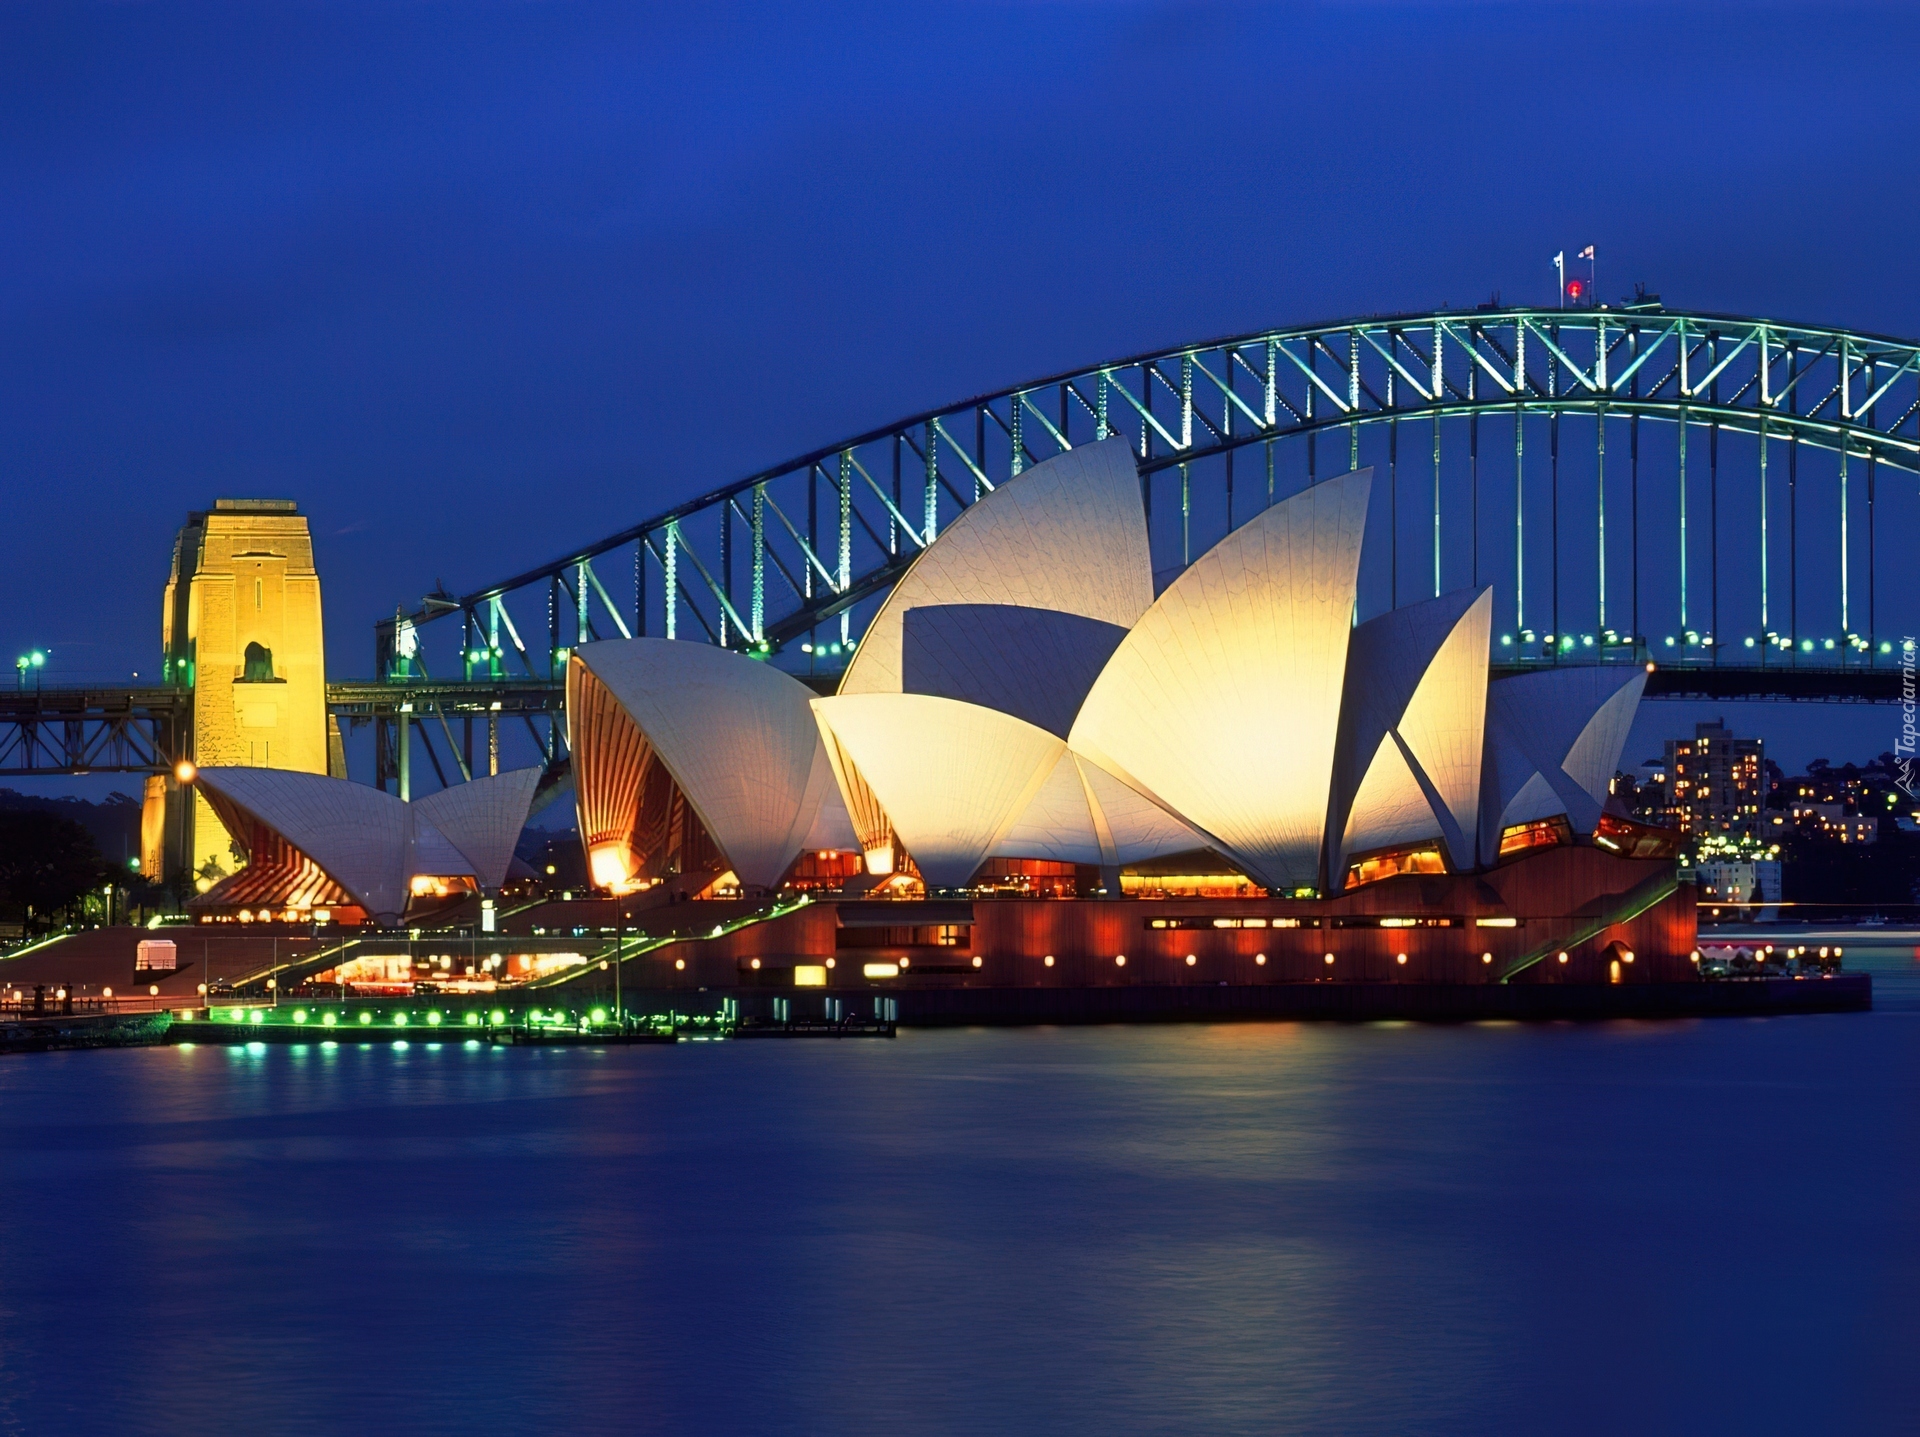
[1706,491]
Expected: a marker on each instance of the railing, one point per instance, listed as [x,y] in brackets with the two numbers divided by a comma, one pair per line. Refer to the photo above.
[90,1005]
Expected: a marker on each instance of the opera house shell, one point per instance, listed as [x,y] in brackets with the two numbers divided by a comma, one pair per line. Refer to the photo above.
[323,849]
[1023,699]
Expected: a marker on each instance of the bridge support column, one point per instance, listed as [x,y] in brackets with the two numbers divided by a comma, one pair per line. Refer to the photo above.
[175,807]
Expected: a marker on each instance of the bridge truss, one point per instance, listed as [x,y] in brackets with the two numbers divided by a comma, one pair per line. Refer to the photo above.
[93,729]
[1701,490]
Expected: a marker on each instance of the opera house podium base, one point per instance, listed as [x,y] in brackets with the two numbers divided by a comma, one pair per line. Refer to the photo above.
[1572,932]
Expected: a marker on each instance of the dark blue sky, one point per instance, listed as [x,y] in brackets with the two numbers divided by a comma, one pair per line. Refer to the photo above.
[476,283]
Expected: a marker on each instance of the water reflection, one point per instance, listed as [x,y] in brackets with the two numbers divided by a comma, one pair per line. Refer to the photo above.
[1237,1228]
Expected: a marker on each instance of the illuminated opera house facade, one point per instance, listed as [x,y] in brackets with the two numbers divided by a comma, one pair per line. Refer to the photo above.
[1300,794]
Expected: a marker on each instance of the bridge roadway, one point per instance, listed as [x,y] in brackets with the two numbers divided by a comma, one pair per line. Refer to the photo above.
[103,728]
[55,729]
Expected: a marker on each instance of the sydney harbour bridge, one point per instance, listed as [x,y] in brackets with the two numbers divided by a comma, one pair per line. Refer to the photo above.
[1732,500]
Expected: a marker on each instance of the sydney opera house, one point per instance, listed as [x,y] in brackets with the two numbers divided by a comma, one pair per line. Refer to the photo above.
[319,849]
[1036,769]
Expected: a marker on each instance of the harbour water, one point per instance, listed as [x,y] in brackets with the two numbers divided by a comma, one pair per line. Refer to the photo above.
[1686,1226]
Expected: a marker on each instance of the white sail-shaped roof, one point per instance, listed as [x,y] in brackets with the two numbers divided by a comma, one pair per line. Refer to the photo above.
[1223,702]
[430,852]
[1595,756]
[1132,829]
[1536,800]
[735,734]
[359,836]
[1057,823]
[1083,814]
[1553,745]
[832,830]
[1391,808]
[483,819]
[1413,721]
[1445,725]
[1019,603]
[951,776]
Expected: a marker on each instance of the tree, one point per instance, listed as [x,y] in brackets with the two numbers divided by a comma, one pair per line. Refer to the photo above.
[46,863]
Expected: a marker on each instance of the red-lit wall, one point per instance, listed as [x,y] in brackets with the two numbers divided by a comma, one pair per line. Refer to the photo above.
[1547,892]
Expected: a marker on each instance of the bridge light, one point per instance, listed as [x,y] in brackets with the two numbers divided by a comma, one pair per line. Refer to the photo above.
[1749,641]
[1669,640]
[806,648]
[1587,640]
[1506,640]
[38,658]
[1828,644]
[1806,646]
[1885,647]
